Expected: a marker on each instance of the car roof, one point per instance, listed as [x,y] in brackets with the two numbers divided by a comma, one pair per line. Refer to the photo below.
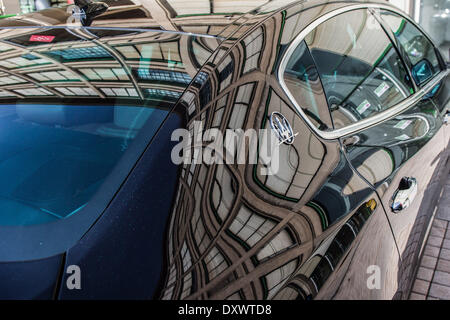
[169,15]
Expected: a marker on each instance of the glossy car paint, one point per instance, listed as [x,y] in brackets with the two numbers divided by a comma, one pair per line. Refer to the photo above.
[312,231]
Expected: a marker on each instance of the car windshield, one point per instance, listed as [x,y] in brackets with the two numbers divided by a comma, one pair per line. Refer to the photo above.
[54,157]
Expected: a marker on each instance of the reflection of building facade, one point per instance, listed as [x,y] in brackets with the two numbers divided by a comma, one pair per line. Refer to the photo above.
[233,232]
[233,245]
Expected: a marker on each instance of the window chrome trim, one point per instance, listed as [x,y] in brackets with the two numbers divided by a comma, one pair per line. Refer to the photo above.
[367,122]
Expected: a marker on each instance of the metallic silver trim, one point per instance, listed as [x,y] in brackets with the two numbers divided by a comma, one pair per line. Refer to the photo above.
[365,123]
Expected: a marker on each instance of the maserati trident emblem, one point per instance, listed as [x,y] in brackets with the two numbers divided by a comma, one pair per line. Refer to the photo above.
[282,128]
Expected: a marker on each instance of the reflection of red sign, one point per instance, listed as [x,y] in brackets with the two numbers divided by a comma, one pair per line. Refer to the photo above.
[41,38]
[69,1]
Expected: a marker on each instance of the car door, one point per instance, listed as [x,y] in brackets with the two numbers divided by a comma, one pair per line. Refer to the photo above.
[356,241]
[313,228]
[402,156]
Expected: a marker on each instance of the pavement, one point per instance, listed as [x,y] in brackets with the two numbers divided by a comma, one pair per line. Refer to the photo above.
[433,276]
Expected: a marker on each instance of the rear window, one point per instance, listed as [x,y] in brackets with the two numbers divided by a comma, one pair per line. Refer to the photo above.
[55,156]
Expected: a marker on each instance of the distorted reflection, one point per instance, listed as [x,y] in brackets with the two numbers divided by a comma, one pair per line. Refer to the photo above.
[313,274]
[358,82]
[235,233]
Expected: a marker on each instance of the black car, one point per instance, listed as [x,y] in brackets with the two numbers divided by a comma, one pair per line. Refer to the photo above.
[101,199]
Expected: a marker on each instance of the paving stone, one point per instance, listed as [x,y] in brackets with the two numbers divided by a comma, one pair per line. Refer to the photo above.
[440,291]
[441,278]
[444,254]
[443,265]
[446,243]
[421,286]
[416,296]
[425,274]
[431,251]
[437,232]
[440,223]
[434,241]
[432,298]
[428,262]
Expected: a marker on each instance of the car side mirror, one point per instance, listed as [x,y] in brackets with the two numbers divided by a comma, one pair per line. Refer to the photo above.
[422,71]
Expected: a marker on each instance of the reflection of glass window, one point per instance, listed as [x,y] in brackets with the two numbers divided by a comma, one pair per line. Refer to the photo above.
[241,104]
[215,263]
[163,75]
[120,92]
[359,68]
[11,80]
[105,74]
[187,285]
[164,51]
[253,46]
[279,243]
[250,227]
[57,75]
[163,93]
[77,91]
[275,279]
[27,60]
[415,44]
[222,193]
[80,53]
[34,92]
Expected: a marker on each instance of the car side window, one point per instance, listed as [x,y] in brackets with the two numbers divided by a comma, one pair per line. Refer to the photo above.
[360,70]
[302,80]
[418,49]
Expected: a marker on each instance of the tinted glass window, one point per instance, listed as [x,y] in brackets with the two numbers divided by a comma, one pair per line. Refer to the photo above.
[417,48]
[360,70]
[302,79]
[54,157]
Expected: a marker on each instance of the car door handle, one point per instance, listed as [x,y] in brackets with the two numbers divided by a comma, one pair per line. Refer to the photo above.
[405,194]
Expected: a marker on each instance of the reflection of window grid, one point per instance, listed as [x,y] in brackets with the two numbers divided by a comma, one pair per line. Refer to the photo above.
[215,263]
[120,92]
[76,91]
[80,53]
[186,257]
[162,51]
[278,277]
[201,237]
[11,80]
[163,93]
[240,106]
[219,111]
[59,75]
[187,285]
[33,92]
[253,46]
[6,94]
[199,52]
[105,74]
[23,61]
[250,227]
[4,47]
[163,75]
[282,241]
[222,193]
[170,280]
